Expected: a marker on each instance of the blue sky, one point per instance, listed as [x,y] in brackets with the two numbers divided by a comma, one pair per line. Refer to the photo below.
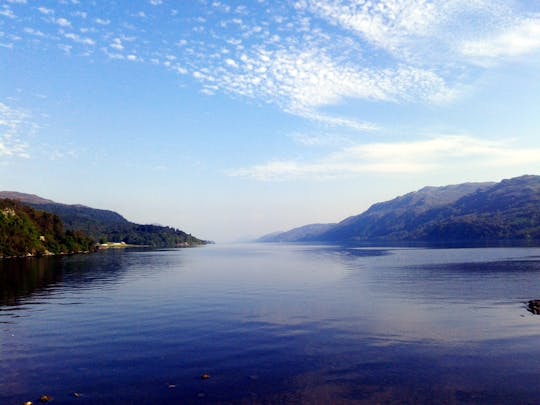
[231,119]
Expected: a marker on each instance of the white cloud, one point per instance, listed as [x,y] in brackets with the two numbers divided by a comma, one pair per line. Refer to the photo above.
[80,40]
[65,48]
[520,38]
[7,12]
[117,44]
[440,153]
[15,127]
[45,10]
[231,63]
[113,55]
[62,22]
[308,55]
[333,121]
[411,29]
[319,139]
[34,32]
[302,80]
[437,31]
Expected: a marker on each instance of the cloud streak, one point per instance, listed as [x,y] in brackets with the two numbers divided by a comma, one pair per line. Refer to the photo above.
[521,38]
[443,152]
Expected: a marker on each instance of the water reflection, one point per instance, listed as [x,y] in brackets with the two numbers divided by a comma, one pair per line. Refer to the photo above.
[274,324]
[20,279]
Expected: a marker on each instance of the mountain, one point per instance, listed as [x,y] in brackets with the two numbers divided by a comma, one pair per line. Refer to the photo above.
[25,231]
[509,210]
[24,198]
[105,225]
[296,234]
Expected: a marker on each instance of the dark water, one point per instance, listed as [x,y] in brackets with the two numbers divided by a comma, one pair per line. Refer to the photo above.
[272,324]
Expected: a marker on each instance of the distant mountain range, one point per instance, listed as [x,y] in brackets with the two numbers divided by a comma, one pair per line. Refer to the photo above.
[509,210]
[104,225]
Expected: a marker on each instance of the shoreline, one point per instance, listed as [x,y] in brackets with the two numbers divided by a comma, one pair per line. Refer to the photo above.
[101,246]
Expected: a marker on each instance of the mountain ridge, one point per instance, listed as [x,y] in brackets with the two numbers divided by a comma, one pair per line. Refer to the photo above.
[106,225]
[509,209]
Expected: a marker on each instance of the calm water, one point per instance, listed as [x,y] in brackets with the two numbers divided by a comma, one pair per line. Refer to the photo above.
[272,324]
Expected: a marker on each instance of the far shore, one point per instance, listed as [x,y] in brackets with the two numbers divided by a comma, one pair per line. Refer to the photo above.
[97,247]
[118,245]
[123,245]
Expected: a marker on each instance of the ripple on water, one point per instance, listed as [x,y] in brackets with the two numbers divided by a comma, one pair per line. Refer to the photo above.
[270,324]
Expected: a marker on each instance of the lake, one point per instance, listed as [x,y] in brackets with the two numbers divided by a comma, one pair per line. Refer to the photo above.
[272,324]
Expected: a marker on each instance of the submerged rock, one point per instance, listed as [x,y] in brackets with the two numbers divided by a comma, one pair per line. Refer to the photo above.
[533,306]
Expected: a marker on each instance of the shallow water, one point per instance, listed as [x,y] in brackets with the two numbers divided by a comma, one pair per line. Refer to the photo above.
[272,324]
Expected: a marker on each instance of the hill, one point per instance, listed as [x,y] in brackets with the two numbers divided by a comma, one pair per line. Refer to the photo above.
[508,210]
[25,231]
[105,225]
[296,234]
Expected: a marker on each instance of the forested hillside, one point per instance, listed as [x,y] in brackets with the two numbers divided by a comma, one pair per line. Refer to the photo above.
[25,231]
[107,226]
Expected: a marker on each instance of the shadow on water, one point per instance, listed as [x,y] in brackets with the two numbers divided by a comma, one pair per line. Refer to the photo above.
[22,278]
[502,267]
[457,244]
[19,278]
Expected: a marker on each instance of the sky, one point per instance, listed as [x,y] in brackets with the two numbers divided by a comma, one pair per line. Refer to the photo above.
[233,119]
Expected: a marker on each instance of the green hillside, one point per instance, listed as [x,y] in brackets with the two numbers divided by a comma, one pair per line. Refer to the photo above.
[107,226]
[25,231]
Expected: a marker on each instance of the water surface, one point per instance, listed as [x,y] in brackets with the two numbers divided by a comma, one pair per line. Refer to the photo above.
[272,324]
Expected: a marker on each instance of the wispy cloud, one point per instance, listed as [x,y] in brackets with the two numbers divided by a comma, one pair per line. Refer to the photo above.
[45,10]
[308,55]
[414,30]
[521,38]
[34,32]
[302,80]
[79,39]
[397,158]
[320,139]
[388,24]
[16,127]
[5,11]
[62,22]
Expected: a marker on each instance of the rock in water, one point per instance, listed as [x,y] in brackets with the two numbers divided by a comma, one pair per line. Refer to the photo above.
[534,306]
